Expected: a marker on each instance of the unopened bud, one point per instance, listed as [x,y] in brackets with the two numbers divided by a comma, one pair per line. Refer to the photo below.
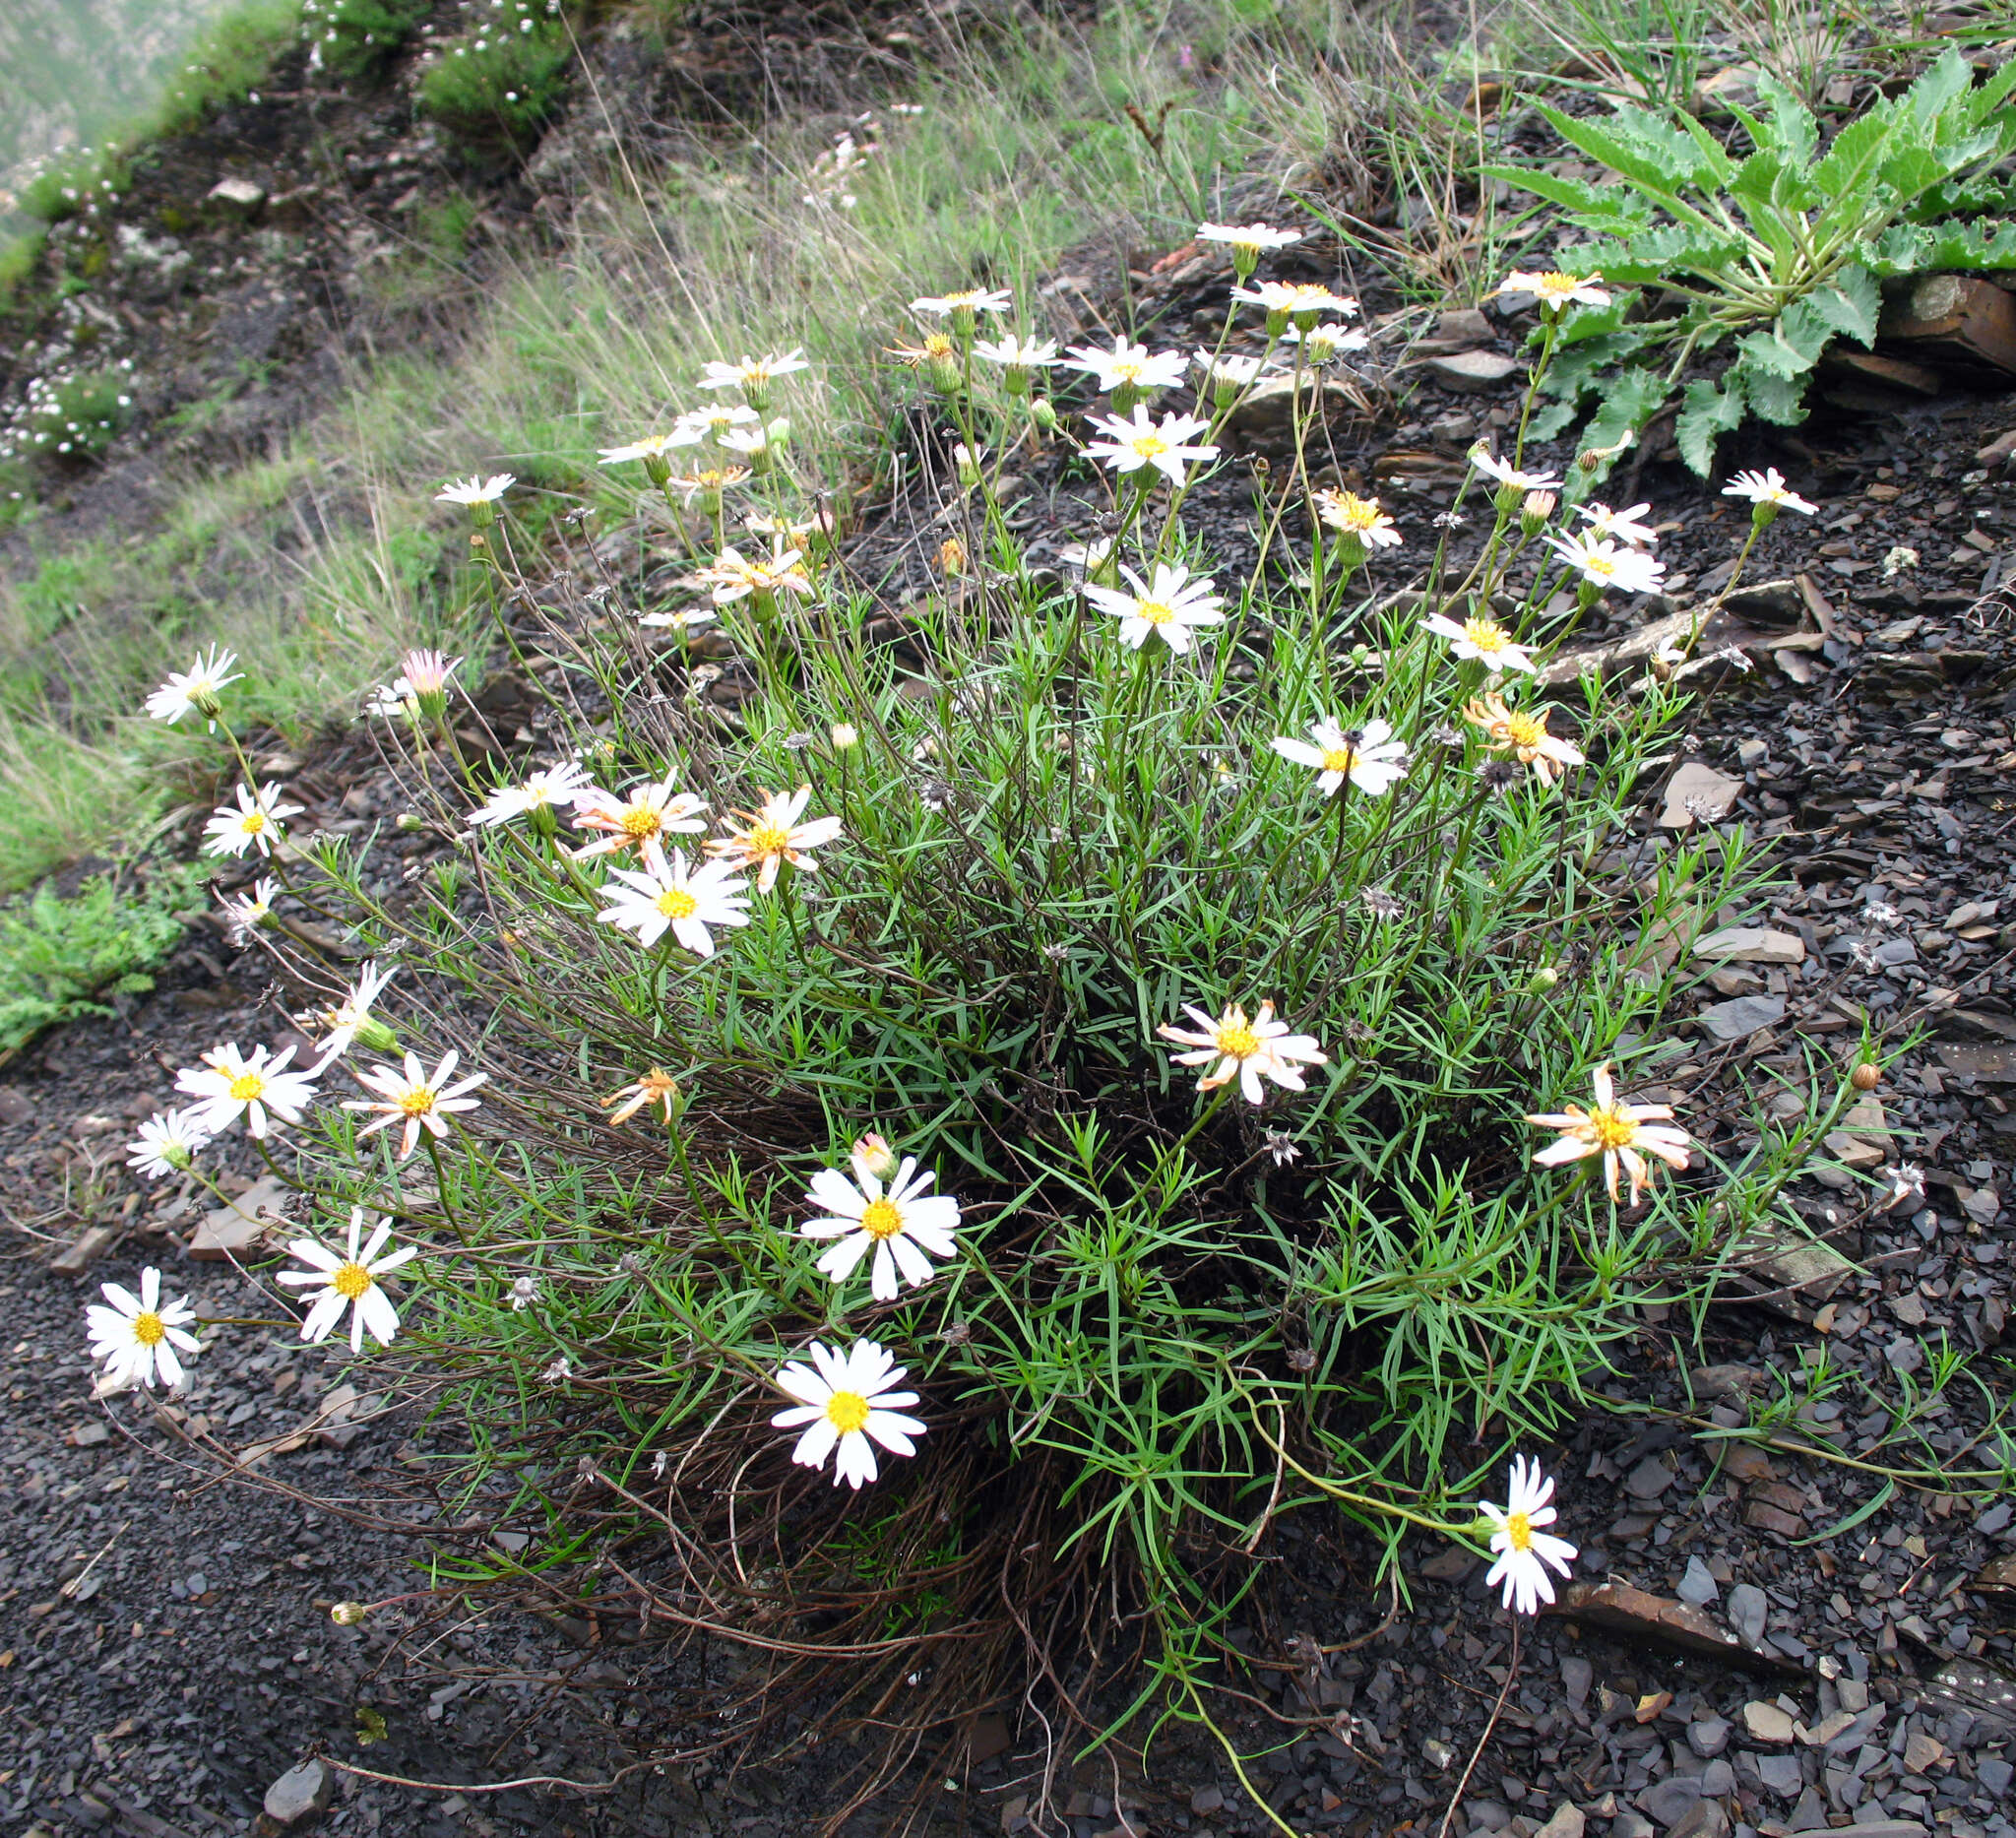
[1543,979]
[407,821]
[875,1156]
[845,735]
[1866,1076]
[1537,511]
[1043,414]
[348,1614]
[968,466]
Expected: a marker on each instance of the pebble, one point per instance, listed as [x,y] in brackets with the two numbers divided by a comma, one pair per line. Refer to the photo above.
[1748,1607]
[1781,1773]
[1746,1015]
[1705,1818]
[1206,1799]
[300,1794]
[1567,1822]
[1766,1723]
[1708,1737]
[1577,1674]
[1697,1586]
[1666,1800]
[1995,1774]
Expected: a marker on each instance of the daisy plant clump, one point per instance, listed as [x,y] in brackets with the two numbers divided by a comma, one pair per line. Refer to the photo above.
[992,1108]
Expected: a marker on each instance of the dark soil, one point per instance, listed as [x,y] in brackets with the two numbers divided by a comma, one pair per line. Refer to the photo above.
[165,1647]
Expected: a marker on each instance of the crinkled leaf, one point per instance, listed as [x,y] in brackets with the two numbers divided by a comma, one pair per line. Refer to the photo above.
[1915,248]
[1770,354]
[1707,413]
[1850,304]
[1630,400]
[1642,165]
[1984,105]
[1657,255]
[1845,173]
[1949,78]
[1589,207]
[1611,322]
[1777,399]
[1548,422]
[1794,131]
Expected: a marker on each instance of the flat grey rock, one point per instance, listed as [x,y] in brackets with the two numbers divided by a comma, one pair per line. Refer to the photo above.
[1751,944]
[1748,1607]
[1471,372]
[1665,1802]
[1708,1737]
[1649,1480]
[1781,1774]
[1741,1017]
[1699,1588]
[299,1796]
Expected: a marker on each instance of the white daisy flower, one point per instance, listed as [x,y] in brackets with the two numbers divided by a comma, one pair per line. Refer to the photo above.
[732,576]
[753,377]
[961,307]
[662,895]
[1171,607]
[1324,343]
[1128,366]
[348,1280]
[845,1399]
[1018,358]
[1369,756]
[902,1224]
[547,789]
[775,836]
[757,444]
[199,688]
[679,618]
[1525,1551]
[647,813]
[1508,476]
[166,1144]
[652,447]
[253,822]
[1302,302]
[1604,565]
[711,423]
[475,490]
[416,1099]
[1524,734]
[1484,639]
[1622,1133]
[1626,525]
[1556,290]
[1358,519]
[425,675]
[351,1017]
[1246,1050]
[1247,241]
[230,1086]
[136,1335]
[1767,492]
[247,913]
[1166,445]
[1225,376]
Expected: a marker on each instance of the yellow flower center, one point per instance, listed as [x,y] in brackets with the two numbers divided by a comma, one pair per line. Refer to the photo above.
[1526,729]
[148,1328]
[1518,1531]
[1149,446]
[1338,758]
[1555,286]
[1155,611]
[1613,1129]
[350,1281]
[675,903]
[639,822]
[767,839]
[247,1087]
[881,1218]
[1237,1042]
[937,345]
[1485,634]
[1596,563]
[1347,511]
[847,1411]
[252,822]
[1128,371]
[418,1101]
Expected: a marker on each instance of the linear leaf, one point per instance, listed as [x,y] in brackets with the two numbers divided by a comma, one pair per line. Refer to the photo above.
[1870,1507]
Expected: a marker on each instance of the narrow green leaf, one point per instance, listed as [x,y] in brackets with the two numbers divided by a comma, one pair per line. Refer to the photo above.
[1867,1509]
[1616,208]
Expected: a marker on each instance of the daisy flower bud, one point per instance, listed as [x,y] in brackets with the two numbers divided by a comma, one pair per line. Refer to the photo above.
[966,463]
[1535,511]
[872,1155]
[425,675]
[1043,414]
[845,736]
[348,1614]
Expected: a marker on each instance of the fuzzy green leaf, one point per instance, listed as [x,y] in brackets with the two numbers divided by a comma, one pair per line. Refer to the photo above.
[1794,131]
[1845,173]
[1917,248]
[1948,80]
[1630,400]
[1849,305]
[1707,413]
[1642,167]
[1657,255]
[1777,399]
[1589,207]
